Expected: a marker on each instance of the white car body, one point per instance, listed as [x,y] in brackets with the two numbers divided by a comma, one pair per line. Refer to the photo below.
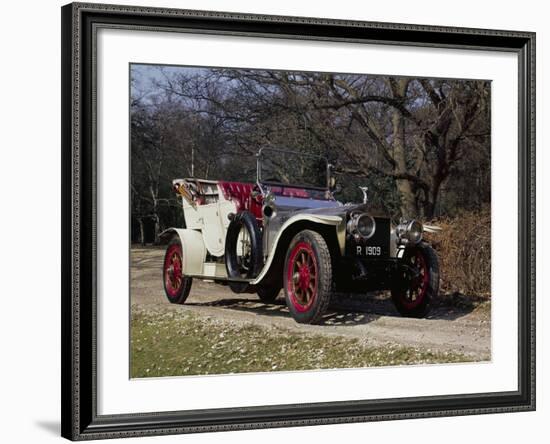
[203,239]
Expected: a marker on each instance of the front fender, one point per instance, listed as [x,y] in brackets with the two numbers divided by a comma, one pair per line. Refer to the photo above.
[193,248]
[329,220]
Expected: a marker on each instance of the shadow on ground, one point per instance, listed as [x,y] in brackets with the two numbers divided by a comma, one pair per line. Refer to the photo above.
[344,310]
[278,308]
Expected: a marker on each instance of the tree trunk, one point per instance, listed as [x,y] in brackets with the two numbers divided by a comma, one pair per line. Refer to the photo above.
[429,206]
[157,228]
[408,202]
[141,232]
[404,186]
[432,198]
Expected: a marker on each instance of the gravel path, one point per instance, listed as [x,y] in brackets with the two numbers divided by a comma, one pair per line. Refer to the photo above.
[371,318]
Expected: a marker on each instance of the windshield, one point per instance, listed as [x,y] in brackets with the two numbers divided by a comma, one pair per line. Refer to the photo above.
[292,168]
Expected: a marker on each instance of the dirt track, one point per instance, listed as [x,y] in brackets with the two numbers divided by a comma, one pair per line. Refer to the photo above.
[371,318]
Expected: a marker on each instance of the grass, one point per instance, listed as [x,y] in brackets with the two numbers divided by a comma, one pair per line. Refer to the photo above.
[174,343]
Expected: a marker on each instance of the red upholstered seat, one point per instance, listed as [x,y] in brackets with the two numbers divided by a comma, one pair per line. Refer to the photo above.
[240,193]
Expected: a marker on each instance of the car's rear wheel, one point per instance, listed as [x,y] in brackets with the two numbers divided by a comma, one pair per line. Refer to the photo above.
[176,285]
[417,285]
[307,277]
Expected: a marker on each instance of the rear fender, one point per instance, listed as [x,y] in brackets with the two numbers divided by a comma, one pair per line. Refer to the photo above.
[193,248]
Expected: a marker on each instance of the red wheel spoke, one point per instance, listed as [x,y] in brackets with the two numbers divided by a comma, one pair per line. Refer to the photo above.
[173,271]
[418,280]
[302,276]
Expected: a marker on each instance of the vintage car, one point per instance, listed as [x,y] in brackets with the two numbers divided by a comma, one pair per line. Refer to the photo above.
[287,231]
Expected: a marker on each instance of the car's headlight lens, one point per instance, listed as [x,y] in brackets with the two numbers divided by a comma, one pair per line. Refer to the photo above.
[362,225]
[365,225]
[409,232]
[414,231]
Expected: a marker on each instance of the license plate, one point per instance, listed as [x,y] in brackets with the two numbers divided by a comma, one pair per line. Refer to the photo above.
[364,250]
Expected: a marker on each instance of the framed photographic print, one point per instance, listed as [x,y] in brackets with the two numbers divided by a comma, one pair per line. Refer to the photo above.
[277,221]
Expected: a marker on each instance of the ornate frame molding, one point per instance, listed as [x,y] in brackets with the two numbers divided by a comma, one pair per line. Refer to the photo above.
[79,395]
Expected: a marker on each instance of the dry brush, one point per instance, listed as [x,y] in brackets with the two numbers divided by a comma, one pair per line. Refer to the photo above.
[464,250]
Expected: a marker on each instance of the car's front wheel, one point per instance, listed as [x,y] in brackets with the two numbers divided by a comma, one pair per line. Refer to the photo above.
[176,285]
[417,285]
[307,277]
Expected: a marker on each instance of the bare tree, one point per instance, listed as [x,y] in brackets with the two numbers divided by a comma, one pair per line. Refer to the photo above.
[407,138]
[414,131]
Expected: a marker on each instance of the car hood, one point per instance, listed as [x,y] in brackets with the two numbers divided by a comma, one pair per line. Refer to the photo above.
[292,206]
[340,210]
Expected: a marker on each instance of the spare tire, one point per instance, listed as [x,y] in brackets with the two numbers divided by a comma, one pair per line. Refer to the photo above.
[243,250]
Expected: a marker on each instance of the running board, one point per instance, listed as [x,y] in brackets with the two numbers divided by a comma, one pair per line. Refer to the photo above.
[216,271]
[219,278]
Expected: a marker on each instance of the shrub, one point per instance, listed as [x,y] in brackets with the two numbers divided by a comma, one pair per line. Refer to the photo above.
[464,250]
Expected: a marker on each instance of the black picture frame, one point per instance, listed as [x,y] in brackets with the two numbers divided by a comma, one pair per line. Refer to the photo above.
[79,396]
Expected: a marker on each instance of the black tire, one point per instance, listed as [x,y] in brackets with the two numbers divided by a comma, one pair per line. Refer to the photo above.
[307,255]
[238,266]
[268,295]
[414,296]
[176,285]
